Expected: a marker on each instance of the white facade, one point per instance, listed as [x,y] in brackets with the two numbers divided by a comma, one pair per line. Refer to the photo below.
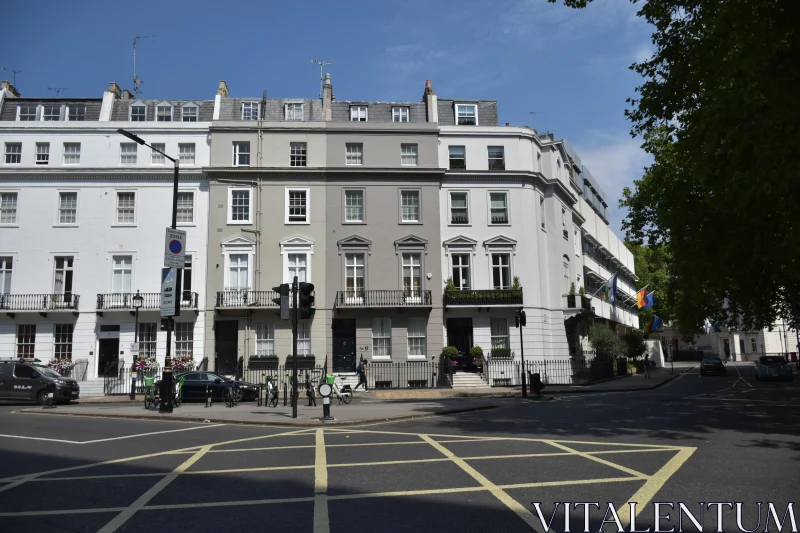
[86,233]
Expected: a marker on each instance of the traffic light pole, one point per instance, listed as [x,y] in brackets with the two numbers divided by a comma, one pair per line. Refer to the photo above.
[521,321]
[294,347]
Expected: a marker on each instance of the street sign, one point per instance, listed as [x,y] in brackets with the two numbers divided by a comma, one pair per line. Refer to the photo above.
[134,348]
[175,248]
[169,291]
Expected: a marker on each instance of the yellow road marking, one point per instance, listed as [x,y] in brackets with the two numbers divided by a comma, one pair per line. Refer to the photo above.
[266,448]
[598,460]
[496,491]
[321,519]
[643,496]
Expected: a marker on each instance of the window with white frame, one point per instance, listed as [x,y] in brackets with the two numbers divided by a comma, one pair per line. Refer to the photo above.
[303,337]
[497,159]
[68,207]
[241,208]
[26,341]
[186,153]
[381,337]
[238,271]
[400,114]
[8,207]
[354,206]
[297,265]
[42,153]
[186,280]
[458,157]
[51,112]
[28,112]
[567,279]
[752,345]
[297,206]
[499,207]
[459,207]
[541,211]
[409,155]
[354,275]
[412,275]
[185,214]
[6,269]
[358,113]
[190,113]
[155,157]
[72,153]
[62,343]
[294,111]
[250,110]
[164,113]
[13,153]
[126,207]
[564,230]
[577,235]
[76,113]
[466,114]
[354,154]
[265,339]
[499,332]
[63,275]
[148,337]
[122,273]
[241,154]
[501,271]
[138,113]
[127,153]
[297,154]
[461,274]
[409,206]
[184,339]
[417,337]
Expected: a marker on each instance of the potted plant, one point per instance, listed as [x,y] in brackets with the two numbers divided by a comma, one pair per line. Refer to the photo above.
[500,353]
[182,363]
[571,296]
[62,366]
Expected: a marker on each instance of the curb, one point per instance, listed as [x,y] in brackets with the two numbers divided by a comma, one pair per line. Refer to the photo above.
[595,391]
[303,423]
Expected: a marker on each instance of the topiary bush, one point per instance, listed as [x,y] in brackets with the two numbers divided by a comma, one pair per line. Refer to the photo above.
[606,342]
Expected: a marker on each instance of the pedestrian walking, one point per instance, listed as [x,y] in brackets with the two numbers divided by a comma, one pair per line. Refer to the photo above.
[647,366]
[361,370]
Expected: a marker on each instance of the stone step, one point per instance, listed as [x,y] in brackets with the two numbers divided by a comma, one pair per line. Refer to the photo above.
[468,381]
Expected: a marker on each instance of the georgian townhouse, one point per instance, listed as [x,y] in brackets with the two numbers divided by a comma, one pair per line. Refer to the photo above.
[82,217]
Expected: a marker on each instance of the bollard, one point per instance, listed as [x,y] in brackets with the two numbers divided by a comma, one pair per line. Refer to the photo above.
[284,394]
[325,390]
[208,396]
[51,389]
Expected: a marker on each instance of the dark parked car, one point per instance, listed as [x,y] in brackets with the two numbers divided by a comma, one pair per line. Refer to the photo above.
[28,382]
[195,384]
[713,366]
[773,367]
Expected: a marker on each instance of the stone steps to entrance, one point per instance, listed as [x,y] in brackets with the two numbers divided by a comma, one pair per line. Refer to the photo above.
[467,380]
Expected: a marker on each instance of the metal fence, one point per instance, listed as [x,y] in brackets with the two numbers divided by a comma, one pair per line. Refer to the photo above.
[118,381]
[581,370]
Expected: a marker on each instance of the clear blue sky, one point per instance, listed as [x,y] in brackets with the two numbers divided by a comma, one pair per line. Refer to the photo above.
[569,67]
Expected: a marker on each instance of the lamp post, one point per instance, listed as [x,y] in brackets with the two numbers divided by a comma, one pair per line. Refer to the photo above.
[166,375]
[137,304]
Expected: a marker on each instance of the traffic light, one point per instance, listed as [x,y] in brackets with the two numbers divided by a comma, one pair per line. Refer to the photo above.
[305,300]
[282,300]
[520,319]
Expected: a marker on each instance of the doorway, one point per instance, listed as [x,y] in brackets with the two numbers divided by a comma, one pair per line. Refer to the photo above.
[344,344]
[226,345]
[108,359]
[459,333]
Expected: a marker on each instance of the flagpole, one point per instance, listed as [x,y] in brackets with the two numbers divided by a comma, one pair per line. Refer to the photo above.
[634,296]
[606,281]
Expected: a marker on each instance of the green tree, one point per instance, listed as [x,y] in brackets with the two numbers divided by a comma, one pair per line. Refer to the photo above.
[606,342]
[719,113]
[634,344]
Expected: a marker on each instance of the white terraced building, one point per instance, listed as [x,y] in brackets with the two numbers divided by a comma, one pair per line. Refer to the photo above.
[83,211]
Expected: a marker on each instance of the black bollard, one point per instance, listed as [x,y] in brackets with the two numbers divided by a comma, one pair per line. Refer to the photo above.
[208,396]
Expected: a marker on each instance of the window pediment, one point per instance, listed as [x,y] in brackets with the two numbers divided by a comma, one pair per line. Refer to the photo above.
[459,244]
[500,243]
[355,242]
[410,242]
[298,243]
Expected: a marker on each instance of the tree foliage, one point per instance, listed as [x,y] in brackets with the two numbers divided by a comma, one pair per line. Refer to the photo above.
[719,113]
[634,344]
[606,342]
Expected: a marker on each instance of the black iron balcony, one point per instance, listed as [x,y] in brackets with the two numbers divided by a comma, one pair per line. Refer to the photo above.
[42,303]
[383,298]
[246,299]
[123,301]
[484,298]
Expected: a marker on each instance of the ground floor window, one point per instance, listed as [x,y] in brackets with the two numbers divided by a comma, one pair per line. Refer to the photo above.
[417,336]
[265,339]
[381,337]
[184,339]
[26,340]
[304,337]
[147,339]
[63,341]
[499,333]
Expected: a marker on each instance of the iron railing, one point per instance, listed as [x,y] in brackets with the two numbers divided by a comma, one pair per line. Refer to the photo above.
[484,297]
[243,298]
[150,300]
[118,380]
[579,370]
[383,298]
[39,302]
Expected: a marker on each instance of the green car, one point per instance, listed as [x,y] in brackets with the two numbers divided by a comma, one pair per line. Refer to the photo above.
[773,367]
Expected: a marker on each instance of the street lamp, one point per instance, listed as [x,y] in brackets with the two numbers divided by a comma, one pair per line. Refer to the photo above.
[166,375]
[137,304]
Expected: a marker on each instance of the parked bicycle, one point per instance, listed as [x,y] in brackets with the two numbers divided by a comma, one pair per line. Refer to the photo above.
[152,398]
[271,392]
[344,393]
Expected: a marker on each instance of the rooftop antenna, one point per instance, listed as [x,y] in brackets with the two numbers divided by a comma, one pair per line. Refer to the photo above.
[58,90]
[530,118]
[15,74]
[321,78]
[136,80]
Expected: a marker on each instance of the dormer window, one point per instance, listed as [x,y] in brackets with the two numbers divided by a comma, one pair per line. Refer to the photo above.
[358,113]
[250,110]
[190,112]
[164,112]
[138,112]
[400,114]
[294,111]
[76,113]
[466,114]
[51,112]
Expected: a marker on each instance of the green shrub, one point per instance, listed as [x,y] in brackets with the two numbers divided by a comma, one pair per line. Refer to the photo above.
[451,352]
[634,343]
[476,352]
[572,289]
[501,352]
[606,342]
[582,291]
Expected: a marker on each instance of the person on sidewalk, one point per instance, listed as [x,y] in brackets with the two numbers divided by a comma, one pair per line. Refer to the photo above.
[361,370]
[647,366]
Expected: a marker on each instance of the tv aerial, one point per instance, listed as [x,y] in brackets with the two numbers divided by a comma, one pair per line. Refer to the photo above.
[321,78]
[136,80]
[15,71]
[58,90]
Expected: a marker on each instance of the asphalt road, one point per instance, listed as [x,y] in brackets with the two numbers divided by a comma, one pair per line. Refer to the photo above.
[714,439]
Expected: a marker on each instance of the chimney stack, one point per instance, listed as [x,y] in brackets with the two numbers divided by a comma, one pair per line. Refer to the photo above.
[431,102]
[10,88]
[126,95]
[327,98]
[222,90]
[114,89]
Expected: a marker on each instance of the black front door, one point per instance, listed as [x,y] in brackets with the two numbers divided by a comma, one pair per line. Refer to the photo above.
[109,357]
[344,344]
[459,333]
[226,345]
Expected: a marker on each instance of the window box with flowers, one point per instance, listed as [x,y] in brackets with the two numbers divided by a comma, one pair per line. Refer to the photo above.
[262,362]
[183,363]
[62,366]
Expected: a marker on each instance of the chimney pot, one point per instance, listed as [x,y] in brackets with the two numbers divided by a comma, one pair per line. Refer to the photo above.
[222,90]
[508,124]
[327,78]
[114,88]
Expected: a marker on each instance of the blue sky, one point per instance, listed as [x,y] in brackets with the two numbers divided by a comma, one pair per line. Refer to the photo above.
[568,66]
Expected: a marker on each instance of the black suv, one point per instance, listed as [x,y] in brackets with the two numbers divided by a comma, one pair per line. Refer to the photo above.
[26,382]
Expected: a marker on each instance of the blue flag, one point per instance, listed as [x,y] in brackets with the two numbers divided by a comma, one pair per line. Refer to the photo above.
[656,323]
[648,301]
